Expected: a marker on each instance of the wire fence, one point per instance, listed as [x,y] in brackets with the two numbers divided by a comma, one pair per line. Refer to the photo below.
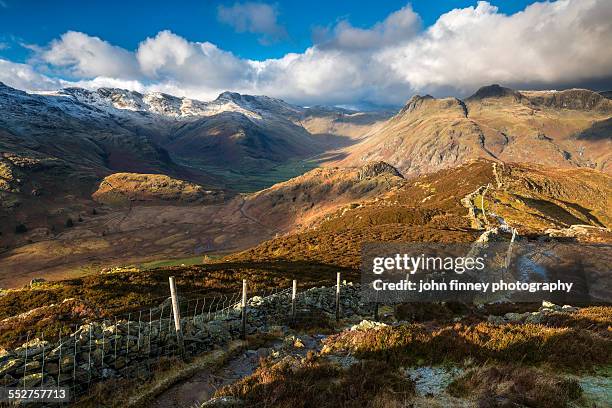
[132,345]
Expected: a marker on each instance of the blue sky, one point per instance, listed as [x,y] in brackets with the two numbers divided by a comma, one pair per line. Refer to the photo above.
[333,52]
[127,23]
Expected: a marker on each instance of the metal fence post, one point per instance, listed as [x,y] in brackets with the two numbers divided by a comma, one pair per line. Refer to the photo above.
[244,311]
[102,326]
[59,364]
[25,361]
[74,361]
[293,296]
[150,332]
[338,296]
[195,310]
[139,318]
[89,358]
[177,315]
[117,337]
[159,344]
[42,367]
[127,338]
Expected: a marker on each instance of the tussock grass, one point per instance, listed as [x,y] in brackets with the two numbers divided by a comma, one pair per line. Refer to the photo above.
[510,385]
[315,382]
[529,344]
[593,318]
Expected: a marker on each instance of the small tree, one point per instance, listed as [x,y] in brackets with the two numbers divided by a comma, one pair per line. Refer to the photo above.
[20,229]
[69,223]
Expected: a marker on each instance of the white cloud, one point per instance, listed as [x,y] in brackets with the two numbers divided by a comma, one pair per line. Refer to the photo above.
[172,58]
[546,44]
[86,56]
[23,76]
[258,18]
[399,26]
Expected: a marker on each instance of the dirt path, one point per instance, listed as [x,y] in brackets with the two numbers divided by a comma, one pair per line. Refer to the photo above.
[255,220]
[203,385]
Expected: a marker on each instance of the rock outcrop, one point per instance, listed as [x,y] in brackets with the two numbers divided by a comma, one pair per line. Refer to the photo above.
[376,169]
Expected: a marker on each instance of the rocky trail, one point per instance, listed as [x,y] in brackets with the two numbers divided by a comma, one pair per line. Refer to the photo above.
[201,387]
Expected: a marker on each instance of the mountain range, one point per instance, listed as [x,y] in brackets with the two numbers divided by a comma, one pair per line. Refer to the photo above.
[570,128]
[110,176]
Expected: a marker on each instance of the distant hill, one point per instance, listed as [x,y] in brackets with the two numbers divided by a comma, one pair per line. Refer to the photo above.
[570,128]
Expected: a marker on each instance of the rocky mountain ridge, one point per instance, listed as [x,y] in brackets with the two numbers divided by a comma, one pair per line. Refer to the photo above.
[570,128]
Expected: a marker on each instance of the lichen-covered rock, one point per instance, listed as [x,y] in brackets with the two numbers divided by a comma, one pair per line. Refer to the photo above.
[368,324]
[496,319]
[32,380]
[534,318]
[9,366]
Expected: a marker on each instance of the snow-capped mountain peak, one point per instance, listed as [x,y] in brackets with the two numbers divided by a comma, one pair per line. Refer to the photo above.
[158,103]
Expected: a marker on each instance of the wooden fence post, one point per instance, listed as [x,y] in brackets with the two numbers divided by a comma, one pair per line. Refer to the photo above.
[338,296]
[293,295]
[177,315]
[244,311]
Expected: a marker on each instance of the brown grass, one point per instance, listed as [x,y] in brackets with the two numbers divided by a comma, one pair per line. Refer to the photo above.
[508,386]
[529,344]
[315,382]
[312,322]
[594,318]
[343,247]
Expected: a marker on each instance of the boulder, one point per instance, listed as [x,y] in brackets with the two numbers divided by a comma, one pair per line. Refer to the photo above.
[368,324]
[515,317]
[37,281]
[496,319]
[534,318]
